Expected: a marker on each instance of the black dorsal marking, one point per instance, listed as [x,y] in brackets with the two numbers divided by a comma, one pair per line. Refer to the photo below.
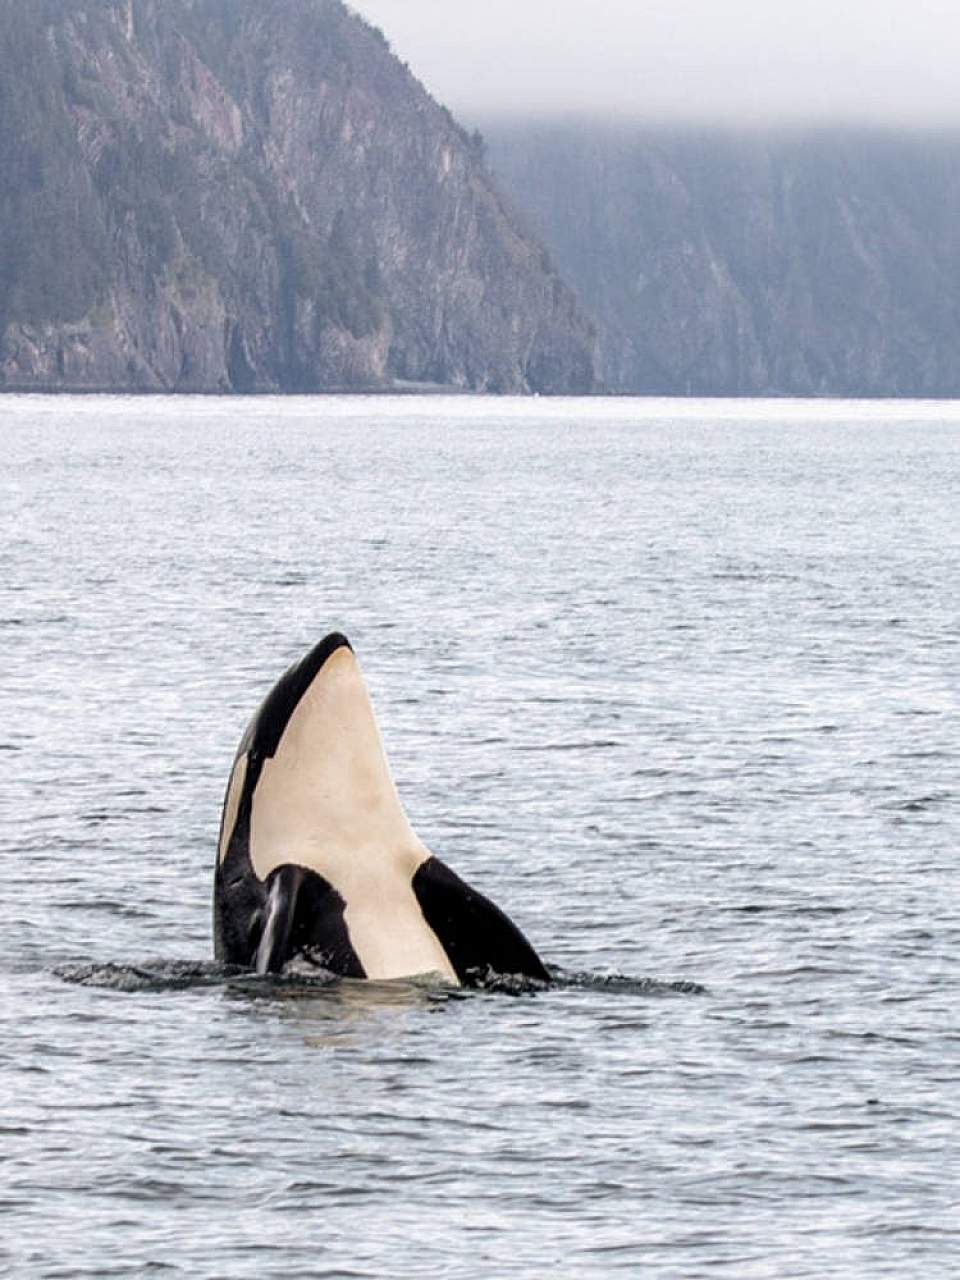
[271,720]
[263,734]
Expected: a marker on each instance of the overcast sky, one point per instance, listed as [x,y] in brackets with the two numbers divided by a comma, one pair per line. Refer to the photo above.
[725,60]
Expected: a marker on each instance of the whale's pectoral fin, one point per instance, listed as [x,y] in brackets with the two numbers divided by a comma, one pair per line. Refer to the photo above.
[475,933]
[303,916]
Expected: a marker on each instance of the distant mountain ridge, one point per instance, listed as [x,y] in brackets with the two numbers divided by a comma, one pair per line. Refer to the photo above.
[819,262]
[227,195]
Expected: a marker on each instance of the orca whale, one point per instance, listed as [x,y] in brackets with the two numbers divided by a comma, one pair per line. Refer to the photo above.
[317,860]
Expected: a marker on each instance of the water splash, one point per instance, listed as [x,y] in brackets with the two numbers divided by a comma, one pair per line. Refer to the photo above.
[623,984]
[150,975]
[185,975]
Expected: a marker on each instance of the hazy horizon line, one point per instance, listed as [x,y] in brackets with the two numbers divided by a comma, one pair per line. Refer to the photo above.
[665,122]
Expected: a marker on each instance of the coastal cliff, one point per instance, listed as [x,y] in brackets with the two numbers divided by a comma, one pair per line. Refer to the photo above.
[224,195]
[814,262]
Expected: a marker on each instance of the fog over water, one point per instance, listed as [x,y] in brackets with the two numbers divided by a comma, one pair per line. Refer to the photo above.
[728,61]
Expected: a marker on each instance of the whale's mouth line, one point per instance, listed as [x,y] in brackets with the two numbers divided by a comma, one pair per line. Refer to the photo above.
[190,975]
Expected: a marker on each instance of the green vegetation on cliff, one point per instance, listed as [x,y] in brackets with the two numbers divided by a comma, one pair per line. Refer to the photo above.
[228,195]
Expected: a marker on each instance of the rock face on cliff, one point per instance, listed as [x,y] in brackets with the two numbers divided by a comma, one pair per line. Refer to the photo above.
[216,195]
[819,263]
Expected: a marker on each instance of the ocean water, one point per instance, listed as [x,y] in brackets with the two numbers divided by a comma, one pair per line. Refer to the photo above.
[675,683]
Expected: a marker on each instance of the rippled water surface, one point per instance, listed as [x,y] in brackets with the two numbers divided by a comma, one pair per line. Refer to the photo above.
[676,684]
